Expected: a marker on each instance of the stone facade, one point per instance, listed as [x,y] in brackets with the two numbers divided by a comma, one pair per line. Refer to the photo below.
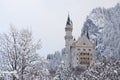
[78,52]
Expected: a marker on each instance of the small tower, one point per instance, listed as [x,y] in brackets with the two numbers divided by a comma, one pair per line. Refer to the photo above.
[87,33]
[68,40]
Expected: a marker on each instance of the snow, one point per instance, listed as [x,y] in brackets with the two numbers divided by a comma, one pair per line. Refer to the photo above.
[18,49]
[104,30]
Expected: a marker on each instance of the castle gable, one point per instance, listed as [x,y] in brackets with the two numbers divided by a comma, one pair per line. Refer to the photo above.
[84,41]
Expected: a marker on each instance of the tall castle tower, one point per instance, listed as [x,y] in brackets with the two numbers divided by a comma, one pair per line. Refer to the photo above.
[68,40]
[78,52]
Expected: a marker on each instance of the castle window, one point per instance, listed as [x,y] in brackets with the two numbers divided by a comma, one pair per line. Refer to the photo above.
[84,44]
[87,53]
[81,53]
[89,49]
[78,49]
[77,58]
[84,49]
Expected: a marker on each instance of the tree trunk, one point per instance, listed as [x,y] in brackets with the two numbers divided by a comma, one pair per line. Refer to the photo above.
[14,78]
[22,76]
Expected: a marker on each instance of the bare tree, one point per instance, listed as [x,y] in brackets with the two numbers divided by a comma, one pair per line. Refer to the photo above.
[19,52]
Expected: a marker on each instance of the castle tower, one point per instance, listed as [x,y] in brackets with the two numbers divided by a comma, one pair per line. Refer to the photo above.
[68,40]
[78,53]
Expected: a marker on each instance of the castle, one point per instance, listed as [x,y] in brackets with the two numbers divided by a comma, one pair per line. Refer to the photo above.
[78,52]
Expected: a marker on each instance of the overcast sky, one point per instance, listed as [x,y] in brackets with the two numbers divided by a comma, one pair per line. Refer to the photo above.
[47,18]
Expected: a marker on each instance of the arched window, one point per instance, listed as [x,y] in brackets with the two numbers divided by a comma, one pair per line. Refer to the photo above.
[84,49]
[84,44]
[89,49]
[77,58]
[88,58]
[87,53]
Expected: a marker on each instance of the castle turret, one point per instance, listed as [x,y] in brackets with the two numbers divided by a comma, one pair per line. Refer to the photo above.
[68,40]
[68,30]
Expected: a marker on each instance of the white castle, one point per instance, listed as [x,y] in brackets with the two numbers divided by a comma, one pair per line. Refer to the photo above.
[78,52]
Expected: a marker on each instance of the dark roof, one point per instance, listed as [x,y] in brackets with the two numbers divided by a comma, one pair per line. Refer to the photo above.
[69,22]
[87,33]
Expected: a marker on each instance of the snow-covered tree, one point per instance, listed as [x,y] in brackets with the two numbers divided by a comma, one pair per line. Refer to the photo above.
[69,73]
[104,29]
[19,53]
[38,71]
[105,69]
[54,61]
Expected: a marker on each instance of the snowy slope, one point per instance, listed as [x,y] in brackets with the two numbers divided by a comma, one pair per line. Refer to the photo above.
[104,28]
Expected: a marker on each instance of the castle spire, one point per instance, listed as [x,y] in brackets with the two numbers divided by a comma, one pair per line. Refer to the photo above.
[69,22]
[69,25]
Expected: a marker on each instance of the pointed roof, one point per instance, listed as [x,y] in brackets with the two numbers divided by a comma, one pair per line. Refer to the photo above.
[87,34]
[83,39]
[69,22]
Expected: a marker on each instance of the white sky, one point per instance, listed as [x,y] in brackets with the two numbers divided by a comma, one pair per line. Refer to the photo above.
[47,18]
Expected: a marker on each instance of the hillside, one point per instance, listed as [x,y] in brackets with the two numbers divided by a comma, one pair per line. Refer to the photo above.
[104,29]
